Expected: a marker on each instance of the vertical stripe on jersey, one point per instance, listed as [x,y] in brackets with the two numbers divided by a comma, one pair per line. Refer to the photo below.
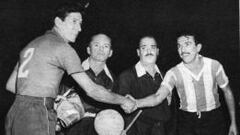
[189,91]
[200,92]
[180,89]
[197,93]
[208,85]
[221,77]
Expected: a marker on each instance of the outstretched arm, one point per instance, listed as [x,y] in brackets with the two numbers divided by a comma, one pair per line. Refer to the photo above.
[100,94]
[231,108]
[154,99]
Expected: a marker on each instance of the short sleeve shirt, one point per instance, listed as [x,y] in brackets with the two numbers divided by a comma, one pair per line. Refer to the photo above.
[42,64]
[197,92]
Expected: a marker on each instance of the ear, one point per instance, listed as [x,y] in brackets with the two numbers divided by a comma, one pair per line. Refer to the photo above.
[58,21]
[199,47]
[157,51]
[110,54]
[138,52]
[88,50]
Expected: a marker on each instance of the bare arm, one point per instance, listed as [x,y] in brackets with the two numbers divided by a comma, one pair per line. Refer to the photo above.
[154,99]
[11,83]
[231,108]
[98,92]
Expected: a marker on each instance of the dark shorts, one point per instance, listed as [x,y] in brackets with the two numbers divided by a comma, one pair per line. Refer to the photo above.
[210,123]
[31,116]
[144,128]
[84,127]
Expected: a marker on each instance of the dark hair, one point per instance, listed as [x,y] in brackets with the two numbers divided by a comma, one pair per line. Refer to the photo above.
[148,36]
[196,35]
[64,9]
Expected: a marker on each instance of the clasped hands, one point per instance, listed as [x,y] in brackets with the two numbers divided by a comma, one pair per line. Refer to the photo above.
[130,104]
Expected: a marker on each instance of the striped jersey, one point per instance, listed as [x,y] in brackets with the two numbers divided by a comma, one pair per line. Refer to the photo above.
[197,92]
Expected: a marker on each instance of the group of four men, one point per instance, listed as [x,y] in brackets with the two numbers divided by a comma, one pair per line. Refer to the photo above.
[38,73]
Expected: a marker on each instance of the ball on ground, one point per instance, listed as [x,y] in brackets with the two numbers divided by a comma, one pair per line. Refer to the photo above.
[109,122]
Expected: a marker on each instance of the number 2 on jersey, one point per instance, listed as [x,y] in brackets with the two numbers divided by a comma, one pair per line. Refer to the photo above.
[28,55]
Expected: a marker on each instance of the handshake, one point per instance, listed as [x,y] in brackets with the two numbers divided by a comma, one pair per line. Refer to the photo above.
[130,104]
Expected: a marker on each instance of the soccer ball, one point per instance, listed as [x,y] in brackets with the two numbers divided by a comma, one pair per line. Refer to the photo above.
[109,122]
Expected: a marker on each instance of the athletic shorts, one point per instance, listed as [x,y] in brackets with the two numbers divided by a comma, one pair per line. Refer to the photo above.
[31,116]
[204,123]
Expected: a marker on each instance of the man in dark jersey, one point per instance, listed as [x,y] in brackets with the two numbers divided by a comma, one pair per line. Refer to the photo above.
[37,75]
[141,80]
[99,50]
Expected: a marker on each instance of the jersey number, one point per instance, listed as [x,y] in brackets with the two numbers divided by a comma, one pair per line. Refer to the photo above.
[28,55]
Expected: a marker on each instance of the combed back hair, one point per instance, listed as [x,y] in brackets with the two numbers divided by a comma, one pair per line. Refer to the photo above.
[147,36]
[66,8]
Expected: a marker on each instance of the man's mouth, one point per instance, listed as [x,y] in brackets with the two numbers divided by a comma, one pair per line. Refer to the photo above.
[184,54]
[101,54]
[150,54]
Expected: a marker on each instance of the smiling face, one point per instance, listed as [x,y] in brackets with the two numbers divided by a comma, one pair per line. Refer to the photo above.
[188,49]
[148,50]
[100,48]
[70,26]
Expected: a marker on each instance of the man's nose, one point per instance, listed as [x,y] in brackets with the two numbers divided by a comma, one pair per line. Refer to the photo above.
[79,28]
[183,49]
[149,50]
[101,47]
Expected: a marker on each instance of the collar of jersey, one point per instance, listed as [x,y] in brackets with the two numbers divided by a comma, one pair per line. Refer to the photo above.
[142,71]
[86,66]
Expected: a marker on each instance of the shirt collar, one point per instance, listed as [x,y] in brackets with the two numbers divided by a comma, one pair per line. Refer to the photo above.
[86,66]
[142,71]
[187,71]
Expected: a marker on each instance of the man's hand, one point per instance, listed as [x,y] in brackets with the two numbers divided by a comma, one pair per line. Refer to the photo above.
[129,104]
[233,130]
[124,132]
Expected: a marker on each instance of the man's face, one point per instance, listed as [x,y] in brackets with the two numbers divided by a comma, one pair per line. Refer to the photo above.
[148,50]
[100,48]
[71,26]
[187,48]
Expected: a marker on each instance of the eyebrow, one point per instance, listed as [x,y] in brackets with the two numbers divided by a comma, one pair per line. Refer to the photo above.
[146,45]
[75,18]
[96,42]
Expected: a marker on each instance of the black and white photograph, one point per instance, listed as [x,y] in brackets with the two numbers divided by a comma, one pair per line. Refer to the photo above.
[119,67]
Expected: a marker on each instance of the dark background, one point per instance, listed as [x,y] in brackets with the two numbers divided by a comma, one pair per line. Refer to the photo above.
[124,21]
